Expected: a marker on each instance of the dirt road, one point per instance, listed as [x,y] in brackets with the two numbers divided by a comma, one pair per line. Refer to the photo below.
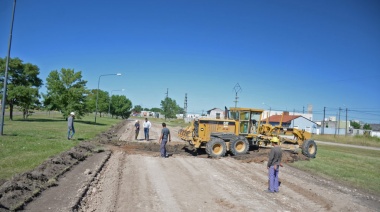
[130,176]
[138,180]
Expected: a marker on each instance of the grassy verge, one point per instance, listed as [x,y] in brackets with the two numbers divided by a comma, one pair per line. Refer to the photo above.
[355,140]
[359,168]
[27,143]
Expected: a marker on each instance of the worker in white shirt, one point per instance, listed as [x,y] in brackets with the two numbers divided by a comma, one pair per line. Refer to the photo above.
[146,126]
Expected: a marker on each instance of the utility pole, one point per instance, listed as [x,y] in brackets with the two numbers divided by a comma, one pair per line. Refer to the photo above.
[339,120]
[346,123]
[323,121]
[185,107]
[166,103]
[3,102]
[237,89]
[336,124]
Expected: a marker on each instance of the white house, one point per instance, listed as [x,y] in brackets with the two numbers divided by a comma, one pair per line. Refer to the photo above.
[216,113]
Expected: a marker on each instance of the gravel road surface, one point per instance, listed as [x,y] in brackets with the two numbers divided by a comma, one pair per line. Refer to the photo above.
[130,176]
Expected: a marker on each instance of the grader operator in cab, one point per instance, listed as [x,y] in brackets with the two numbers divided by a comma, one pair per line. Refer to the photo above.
[241,129]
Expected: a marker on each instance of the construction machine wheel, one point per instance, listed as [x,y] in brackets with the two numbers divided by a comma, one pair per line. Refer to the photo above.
[239,145]
[309,148]
[216,147]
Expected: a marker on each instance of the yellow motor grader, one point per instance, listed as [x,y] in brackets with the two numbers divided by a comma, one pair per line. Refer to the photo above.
[241,128]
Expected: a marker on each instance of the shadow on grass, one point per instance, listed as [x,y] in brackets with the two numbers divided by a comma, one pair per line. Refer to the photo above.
[58,120]
[39,120]
[11,134]
[89,123]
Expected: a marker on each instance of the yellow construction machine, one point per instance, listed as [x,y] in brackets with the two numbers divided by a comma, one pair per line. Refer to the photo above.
[240,129]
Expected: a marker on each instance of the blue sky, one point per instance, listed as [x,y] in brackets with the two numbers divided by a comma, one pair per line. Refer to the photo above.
[286,54]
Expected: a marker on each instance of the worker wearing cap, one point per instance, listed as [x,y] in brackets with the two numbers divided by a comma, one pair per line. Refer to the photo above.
[274,163]
[70,124]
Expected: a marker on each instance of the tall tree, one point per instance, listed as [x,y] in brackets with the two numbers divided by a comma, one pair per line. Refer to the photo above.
[23,85]
[121,106]
[137,109]
[169,107]
[355,125]
[155,109]
[66,91]
[367,127]
[181,110]
[103,101]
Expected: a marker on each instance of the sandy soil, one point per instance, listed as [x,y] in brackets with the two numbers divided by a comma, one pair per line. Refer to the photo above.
[134,178]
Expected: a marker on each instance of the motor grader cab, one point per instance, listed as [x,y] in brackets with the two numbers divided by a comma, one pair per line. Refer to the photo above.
[241,128]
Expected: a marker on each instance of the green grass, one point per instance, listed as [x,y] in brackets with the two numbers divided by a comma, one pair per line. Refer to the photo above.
[355,140]
[27,143]
[359,168]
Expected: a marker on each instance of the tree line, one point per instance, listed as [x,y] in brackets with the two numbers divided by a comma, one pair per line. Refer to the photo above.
[66,92]
[169,108]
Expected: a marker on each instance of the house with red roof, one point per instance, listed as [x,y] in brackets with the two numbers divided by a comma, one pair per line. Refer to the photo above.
[292,121]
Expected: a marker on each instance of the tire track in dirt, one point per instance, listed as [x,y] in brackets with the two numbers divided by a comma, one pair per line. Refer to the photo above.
[104,190]
[137,191]
[120,171]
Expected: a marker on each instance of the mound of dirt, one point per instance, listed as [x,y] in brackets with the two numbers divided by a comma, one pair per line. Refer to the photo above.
[175,148]
[23,187]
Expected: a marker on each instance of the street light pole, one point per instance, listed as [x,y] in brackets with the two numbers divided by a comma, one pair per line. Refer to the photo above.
[270,108]
[6,72]
[97,92]
[109,105]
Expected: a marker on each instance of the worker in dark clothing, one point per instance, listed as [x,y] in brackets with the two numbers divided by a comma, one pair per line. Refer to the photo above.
[274,163]
[137,129]
[165,136]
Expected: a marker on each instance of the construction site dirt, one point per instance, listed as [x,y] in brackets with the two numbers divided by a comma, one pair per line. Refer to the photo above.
[115,172]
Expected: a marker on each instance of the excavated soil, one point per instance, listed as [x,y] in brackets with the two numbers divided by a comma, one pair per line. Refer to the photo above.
[22,188]
[132,177]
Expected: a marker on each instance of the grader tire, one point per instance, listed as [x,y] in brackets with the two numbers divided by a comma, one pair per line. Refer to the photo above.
[309,148]
[239,146]
[216,148]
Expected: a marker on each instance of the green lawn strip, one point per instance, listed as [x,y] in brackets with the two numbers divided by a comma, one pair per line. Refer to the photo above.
[176,123]
[360,140]
[359,168]
[27,143]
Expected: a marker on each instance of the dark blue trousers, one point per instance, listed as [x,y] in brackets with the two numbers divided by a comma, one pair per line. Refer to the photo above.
[163,147]
[146,133]
[273,178]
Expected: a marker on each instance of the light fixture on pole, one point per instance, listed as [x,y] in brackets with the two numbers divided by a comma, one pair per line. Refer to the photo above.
[6,73]
[97,92]
[109,105]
